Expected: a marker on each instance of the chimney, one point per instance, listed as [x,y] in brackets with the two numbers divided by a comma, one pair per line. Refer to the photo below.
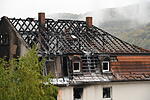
[89,22]
[41,19]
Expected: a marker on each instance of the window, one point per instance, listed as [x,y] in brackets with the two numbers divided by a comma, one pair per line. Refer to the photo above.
[78,93]
[107,92]
[76,67]
[65,66]
[105,66]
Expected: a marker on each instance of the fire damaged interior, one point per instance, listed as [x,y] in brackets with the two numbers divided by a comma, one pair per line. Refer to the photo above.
[77,52]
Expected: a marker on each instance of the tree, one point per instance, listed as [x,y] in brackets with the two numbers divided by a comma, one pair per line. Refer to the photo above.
[21,79]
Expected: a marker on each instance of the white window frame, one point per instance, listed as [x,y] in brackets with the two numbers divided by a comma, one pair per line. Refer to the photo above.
[73,67]
[110,93]
[103,65]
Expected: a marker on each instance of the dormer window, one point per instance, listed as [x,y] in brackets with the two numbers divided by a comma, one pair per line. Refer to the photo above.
[76,66]
[105,66]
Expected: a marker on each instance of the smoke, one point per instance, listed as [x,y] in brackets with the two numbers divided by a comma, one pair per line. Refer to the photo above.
[132,15]
[128,16]
[138,13]
[66,16]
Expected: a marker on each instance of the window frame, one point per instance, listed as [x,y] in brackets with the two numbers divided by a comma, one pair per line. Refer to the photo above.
[76,71]
[109,98]
[108,69]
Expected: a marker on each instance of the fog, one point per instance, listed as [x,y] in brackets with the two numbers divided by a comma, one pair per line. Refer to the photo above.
[136,13]
[132,15]
[30,8]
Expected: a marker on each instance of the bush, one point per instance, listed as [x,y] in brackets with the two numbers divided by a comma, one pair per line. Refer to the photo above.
[21,79]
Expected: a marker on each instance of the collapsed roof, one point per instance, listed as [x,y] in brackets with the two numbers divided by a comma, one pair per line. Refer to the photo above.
[69,37]
[79,37]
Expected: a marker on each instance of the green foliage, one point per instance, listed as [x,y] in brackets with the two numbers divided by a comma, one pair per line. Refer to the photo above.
[21,79]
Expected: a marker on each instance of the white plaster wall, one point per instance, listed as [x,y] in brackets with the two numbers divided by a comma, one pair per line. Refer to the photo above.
[92,92]
[134,91]
[120,91]
[65,93]
[23,50]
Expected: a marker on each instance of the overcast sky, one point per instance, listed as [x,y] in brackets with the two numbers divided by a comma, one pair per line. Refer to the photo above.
[30,8]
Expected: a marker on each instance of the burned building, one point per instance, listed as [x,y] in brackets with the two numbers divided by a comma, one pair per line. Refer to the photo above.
[88,62]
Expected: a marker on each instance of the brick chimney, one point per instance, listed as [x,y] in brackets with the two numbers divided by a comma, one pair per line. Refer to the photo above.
[41,19]
[89,21]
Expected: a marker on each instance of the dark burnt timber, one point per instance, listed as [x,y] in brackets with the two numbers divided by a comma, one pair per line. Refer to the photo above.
[10,39]
[75,49]
[71,37]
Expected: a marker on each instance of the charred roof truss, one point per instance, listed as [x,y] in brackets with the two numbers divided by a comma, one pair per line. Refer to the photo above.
[69,36]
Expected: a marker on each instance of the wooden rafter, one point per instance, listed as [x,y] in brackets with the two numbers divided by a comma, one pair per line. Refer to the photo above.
[69,36]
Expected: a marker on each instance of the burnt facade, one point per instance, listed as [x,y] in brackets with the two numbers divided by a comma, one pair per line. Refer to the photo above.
[77,52]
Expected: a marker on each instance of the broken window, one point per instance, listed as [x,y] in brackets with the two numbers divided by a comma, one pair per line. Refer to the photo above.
[107,92]
[78,93]
[65,66]
[76,66]
[49,67]
[105,66]
[4,38]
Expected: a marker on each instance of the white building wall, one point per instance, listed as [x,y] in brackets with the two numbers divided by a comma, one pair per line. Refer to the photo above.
[65,93]
[92,92]
[134,91]
[23,50]
[120,91]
